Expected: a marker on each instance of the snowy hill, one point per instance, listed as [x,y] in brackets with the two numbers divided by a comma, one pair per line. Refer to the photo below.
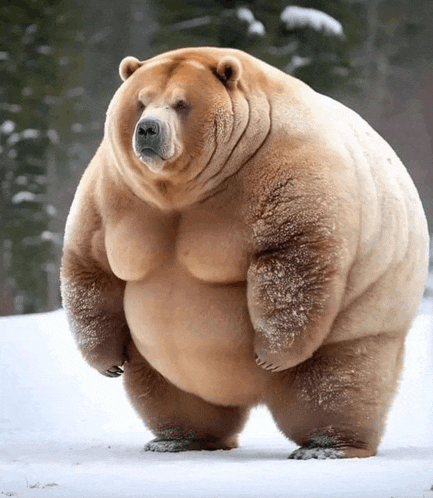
[66,431]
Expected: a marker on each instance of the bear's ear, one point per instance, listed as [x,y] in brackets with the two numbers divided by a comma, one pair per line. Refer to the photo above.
[128,66]
[229,71]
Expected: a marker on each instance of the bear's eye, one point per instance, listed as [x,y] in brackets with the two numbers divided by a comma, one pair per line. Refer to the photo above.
[141,106]
[181,105]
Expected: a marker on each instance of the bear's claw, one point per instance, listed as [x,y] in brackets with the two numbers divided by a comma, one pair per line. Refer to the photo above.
[113,372]
[266,365]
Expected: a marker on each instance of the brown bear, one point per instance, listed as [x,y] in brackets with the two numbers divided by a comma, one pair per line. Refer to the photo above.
[239,239]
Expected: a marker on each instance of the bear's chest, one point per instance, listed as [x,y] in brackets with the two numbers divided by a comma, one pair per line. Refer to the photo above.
[210,247]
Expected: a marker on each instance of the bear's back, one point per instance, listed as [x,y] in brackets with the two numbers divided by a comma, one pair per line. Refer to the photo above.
[392,255]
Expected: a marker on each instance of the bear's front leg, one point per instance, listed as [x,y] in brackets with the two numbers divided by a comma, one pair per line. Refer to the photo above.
[294,293]
[93,300]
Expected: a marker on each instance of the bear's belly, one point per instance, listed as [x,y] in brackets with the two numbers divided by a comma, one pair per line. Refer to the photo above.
[197,335]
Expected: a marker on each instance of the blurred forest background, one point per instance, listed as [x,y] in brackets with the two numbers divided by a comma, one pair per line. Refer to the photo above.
[59,69]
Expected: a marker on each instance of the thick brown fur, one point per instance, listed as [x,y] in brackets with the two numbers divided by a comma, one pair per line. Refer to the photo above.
[270,249]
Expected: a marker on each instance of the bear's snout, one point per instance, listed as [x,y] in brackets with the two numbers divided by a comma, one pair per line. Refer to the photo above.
[149,138]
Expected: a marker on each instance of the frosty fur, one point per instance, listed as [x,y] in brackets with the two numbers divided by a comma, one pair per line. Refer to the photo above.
[273,251]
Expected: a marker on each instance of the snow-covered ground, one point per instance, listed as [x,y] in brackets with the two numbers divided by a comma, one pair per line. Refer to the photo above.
[66,431]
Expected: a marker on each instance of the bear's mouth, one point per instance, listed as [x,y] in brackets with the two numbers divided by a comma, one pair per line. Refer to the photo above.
[152,159]
[149,153]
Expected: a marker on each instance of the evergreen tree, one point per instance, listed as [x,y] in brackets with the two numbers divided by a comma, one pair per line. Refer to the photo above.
[38,59]
[311,40]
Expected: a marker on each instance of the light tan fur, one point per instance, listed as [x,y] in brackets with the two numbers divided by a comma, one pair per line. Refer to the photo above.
[275,251]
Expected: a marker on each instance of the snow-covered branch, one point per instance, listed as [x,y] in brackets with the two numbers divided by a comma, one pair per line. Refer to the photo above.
[300,17]
[255,27]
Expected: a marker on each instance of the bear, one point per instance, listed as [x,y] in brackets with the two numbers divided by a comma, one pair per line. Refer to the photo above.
[240,240]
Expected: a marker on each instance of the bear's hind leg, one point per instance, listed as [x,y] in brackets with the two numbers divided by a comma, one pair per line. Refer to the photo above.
[180,421]
[334,405]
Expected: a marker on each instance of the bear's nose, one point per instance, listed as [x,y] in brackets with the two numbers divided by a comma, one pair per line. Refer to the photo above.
[149,137]
[148,128]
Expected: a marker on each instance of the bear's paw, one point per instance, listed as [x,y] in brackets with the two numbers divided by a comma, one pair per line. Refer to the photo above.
[317,453]
[177,445]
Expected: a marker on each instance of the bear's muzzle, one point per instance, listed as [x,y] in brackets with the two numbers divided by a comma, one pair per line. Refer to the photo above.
[150,138]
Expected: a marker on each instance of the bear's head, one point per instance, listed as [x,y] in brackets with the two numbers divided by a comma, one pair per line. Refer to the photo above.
[171,110]
[187,119]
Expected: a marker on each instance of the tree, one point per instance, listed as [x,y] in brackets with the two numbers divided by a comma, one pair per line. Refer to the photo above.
[312,40]
[39,58]
[396,96]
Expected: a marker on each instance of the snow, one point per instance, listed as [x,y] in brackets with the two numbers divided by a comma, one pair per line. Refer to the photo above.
[191,23]
[30,133]
[53,136]
[24,196]
[13,108]
[31,29]
[245,14]
[27,91]
[45,50]
[78,91]
[255,27]
[300,17]
[13,139]
[77,128]
[297,62]
[64,60]
[21,180]
[57,238]
[51,210]
[66,431]
[8,126]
